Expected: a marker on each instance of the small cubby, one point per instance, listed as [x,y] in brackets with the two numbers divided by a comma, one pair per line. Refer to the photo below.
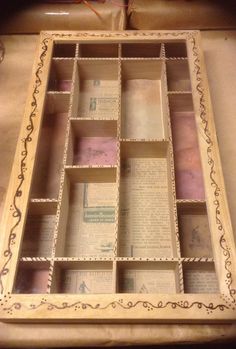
[82,277]
[142,112]
[50,149]
[143,50]
[187,158]
[200,277]
[194,230]
[178,77]
[88,213]
[145,224]
[97,88]
[175,50]
[60,78]
[39,229]
[32,277]
[98,50]
[64,50]
[93,142]
[148,277]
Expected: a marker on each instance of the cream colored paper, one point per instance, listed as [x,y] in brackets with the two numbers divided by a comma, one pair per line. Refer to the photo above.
[98,98]
[87,281]
[145,229]
[200,281]
[38,236]
[91,221]
[148,281]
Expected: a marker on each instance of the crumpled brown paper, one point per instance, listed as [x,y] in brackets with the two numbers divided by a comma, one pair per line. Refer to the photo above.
[13,91]
[181,14]
[38,16]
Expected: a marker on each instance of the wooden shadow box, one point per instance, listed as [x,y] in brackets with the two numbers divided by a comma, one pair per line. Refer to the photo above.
[116,208]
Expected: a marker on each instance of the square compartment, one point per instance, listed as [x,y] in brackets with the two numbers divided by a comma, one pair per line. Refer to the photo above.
[98,86]
[60,78]
[98,50]
[87,221]
[141,50]
[142,114]
[176,50]
[39,230]
[200,278]
[83,278]
[93,143]
[64,50]
[194,230]
[32,277]
[145,223]
[178,77]
[148,277]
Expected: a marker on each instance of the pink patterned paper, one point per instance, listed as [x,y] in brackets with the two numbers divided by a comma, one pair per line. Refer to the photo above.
[188,169]
[95,151]
[64,85]
[32,281]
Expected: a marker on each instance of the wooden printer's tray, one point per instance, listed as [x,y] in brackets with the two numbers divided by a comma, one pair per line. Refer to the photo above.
[116,207]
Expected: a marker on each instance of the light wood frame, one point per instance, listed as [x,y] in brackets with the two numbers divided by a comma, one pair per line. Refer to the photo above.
[118,307]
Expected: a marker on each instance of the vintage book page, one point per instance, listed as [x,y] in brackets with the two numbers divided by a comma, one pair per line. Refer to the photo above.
[95,151]
[38,236]
[195,236]
[141,104]
[148,281]
[145,229]
[200,281]
[91,220]
[98,98]
[86,281]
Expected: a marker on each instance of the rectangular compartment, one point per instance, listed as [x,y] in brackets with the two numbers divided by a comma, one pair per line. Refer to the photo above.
[187,158]
[32,277]
[200,277]
[50,149]
[178,77]
[148,277]
[64,50]
[60,78]
[141,50]
[82,278]
[87,222]
[98,50]
[97,87]
[142,114]
[194,230]
[93,142]
[39,230]
[175,50]
[145,224]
